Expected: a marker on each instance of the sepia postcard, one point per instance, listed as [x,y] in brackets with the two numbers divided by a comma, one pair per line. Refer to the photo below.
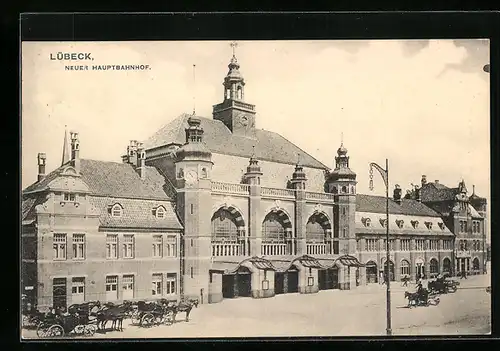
[202,189]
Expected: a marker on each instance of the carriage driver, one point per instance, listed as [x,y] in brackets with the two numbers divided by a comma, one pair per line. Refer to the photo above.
[421,292]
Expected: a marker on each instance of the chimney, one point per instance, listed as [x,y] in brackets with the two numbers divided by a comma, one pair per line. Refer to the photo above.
[75,151]
[397,194]
[417,193]
[424,179]
[436,181]
[141,161]
[131,156]
[41,166]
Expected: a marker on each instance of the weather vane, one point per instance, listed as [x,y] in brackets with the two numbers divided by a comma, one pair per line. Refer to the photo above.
[234,45]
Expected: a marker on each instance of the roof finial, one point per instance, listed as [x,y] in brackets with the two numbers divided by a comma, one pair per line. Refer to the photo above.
[473,189]
[233,46]
[298,159]
[253,151]
[194,90]
[341,138]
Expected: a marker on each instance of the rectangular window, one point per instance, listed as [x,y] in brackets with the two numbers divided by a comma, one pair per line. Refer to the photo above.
[59,246]
[79,246]
[192,208]
[171,283]
[111,288]
[405,244]
[127,287]
[172,246]
[157,246]
[157,282]
[111,246]
[420,245]
[78,290]
[128,246]
[69,197]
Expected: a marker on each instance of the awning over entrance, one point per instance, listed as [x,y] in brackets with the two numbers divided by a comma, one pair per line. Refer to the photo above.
[228,267]
[225,267]
[309,262]
[349,261]
[261,263]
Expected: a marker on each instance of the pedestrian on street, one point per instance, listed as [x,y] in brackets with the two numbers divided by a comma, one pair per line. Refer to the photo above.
[463,275]
[381,278]
[405,280]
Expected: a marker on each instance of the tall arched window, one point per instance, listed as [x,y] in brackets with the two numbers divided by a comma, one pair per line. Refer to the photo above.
[447,265]
[475,264]
[277,235]
[228,235]
[405,267]
[434,266]
[318,235]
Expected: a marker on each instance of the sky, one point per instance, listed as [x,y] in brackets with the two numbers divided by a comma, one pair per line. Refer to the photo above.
[422,104]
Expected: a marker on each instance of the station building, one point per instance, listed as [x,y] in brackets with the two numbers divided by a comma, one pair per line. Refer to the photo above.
[214,208]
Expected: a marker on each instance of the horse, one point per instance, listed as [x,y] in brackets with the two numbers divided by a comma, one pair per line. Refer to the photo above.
[413,298]
[184,306]
[116,314]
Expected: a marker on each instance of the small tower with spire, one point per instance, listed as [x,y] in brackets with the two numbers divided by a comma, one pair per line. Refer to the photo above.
[233,111]
[66,151]
[254,172]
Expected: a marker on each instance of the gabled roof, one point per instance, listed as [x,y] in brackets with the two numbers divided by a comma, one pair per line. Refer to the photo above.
[431,192]
[137,213]
[377,204]
[112,179]
[269,146]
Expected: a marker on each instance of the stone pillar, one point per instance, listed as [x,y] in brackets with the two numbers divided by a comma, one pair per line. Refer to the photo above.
[235,286]
[300,220]
[362,276]
[285,282]
[255,228]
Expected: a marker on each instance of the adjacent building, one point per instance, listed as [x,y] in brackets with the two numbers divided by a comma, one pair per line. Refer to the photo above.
[214,208]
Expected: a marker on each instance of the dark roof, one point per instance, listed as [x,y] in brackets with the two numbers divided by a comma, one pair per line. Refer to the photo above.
[269,146]
[137,213]
[113,179]
[437,192]
[377,204]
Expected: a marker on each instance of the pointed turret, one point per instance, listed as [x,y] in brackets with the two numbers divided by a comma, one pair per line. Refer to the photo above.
[66,151]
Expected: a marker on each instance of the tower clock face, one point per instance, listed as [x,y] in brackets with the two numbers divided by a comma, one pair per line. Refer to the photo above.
[191,176]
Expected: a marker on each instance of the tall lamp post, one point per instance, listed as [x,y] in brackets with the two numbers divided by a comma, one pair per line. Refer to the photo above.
[385,176]
[486,68]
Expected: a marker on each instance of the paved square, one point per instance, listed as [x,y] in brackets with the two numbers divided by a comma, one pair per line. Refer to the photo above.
[359,312]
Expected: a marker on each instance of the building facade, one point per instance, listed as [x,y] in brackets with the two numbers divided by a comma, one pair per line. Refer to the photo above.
[214,208]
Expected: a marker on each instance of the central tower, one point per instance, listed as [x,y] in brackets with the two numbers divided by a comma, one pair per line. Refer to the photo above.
[233,111]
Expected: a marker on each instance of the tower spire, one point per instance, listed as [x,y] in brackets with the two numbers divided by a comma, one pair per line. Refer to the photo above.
[234,45]
[66,148]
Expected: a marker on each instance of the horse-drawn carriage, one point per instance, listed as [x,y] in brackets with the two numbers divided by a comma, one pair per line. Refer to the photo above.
[148,314]
[77,320]
[421,298]
[443,286]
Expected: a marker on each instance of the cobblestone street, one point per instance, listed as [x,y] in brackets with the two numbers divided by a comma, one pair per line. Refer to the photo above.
[359,312]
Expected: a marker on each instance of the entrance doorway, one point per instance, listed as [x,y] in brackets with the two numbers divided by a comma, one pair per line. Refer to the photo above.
[371,272]
[279,283]
[328,278]
[244,284]
[293,281]
[59,293]
[391,270]
[238,284]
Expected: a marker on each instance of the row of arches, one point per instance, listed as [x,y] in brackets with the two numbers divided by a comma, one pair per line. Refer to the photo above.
[229,237]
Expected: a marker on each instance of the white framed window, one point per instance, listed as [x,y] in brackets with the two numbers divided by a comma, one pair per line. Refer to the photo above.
[405,267]
[79,246]
[128,246]
[127,287]
[171,246]
[160,212]
[116,210]
[112,246]
[59,246]
[69,197]
[171,283]
[111,288]
[78,290]
[157,246]
[157,285]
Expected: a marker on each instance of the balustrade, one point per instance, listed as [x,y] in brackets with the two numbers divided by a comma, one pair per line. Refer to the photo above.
[319,196]
[228,249]
[274,249]
[316,249]
[230,188]
[277,192]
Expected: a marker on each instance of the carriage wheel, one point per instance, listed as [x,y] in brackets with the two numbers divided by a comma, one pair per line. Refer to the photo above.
[135,318]
[147,320]
[169,318]
[453,288]
[89,329]
[41,330]
[55,331]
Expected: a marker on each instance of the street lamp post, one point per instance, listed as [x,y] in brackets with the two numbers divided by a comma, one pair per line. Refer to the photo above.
[385,176]
[486,68]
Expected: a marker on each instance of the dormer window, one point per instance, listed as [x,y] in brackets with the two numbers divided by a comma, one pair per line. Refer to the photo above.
[159,212]
[441,225]
[414,224]
[383,222]
[366,221]
[69,197]
[116,210]
[400,223]
[428,225]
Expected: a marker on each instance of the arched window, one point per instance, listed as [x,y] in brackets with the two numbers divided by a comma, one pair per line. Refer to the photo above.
[317,235]
[344,189]
[447,265]
[335,190]
[434,266]
[116,210]
[475,264]
[224,227]
[204,173]
[391,270]
[228,234]
[160,212]
[371,272]
[405,267]
[277,235]
[180,174]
